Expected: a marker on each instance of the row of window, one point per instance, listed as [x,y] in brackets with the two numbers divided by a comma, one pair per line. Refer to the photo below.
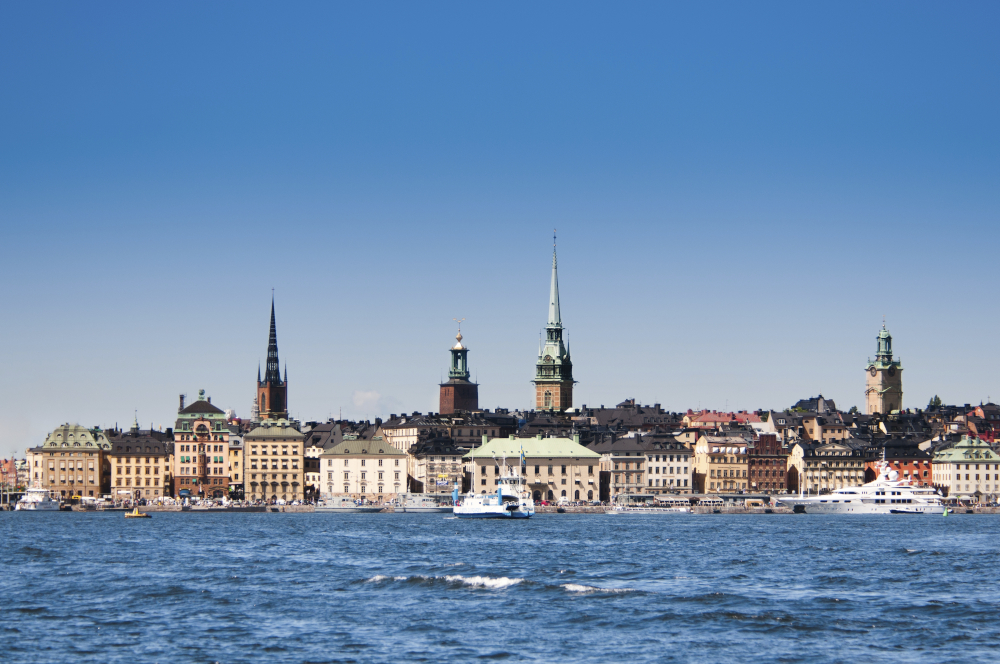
[138,470]
[329,462]
[138,481]
[347,475]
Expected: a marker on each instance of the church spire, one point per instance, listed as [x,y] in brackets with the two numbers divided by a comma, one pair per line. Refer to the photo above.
[272,373]
[555,317]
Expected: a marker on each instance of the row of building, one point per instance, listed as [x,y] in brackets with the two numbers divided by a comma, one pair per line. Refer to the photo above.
[573,453]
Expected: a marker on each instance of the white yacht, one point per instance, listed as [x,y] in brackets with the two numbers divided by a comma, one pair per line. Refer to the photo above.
[511,500]
[886,494]
[37,499]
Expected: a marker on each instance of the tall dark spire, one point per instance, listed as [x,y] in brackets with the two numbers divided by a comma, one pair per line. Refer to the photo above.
[272,373]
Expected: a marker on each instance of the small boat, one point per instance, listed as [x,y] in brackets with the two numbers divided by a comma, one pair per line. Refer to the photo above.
[418,502]
[510,501]
[346,504]
[37,499]
[136,514]
[668,506]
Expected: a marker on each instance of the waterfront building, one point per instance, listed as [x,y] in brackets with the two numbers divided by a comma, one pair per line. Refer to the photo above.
[314,436]
[367,469]
[237,476]
[436,466]
[140,463]
[554,368]
[459,393]
[970,470]
[201,449]
[553,467]
[272,392]
[72,461]
[274,451]
[824,467]
[904,456]
[767,465]
[884,380]
[721,463]
[623,463]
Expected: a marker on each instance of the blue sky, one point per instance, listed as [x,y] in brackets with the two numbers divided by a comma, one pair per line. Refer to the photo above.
[742,191]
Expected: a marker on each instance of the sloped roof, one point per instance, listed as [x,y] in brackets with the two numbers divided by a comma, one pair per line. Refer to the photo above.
[969,448]
[533,448]
[364,447]
[273,429]
[201,406]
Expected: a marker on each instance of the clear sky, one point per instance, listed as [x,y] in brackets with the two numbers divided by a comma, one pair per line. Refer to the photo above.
[742,191]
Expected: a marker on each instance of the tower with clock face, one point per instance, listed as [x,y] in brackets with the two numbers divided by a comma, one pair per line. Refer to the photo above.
[554,369]
[884,379]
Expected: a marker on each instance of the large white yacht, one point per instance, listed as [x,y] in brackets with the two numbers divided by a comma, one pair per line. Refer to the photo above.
[37,499]
[886,494]
[511,500]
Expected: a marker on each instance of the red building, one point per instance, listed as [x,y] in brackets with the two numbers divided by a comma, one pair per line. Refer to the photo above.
[905,456]
[767,463]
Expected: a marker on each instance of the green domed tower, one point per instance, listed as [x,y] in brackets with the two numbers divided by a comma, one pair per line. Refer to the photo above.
[884,382]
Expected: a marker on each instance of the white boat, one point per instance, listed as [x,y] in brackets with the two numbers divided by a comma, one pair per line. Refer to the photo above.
[886,494]
[37,499]
[511,500]
[347,505]
[419,502]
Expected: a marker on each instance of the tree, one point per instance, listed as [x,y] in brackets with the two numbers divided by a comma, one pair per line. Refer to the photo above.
[853,410]
[935,402]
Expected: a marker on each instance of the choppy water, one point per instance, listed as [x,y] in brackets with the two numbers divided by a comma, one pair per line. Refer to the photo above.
[421,587]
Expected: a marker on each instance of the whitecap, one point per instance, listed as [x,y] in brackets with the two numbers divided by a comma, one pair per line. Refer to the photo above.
[378,578]
[581,589]
[484,581]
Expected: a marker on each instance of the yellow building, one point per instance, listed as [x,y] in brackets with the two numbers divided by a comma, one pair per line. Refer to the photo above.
[71,462]
[140,463]
[273,453]
[720,464]
[555,468]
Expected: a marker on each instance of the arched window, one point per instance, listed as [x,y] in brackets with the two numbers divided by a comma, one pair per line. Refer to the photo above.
[263,402]
[548,399]
[590,495]
[550,495]
[576,495]
[564,493]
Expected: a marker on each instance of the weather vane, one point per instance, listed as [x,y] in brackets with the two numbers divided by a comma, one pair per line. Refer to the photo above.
[459,321]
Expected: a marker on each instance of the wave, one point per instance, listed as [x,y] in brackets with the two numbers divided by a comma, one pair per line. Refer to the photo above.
[586,590]
[495,583]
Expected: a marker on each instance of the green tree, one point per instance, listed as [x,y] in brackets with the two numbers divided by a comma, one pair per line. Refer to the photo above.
[935,402]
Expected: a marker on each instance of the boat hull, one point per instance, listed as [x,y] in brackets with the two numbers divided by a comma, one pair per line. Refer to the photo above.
[350,510]
[421,510]
[808,507]
[494,515]
[36,507]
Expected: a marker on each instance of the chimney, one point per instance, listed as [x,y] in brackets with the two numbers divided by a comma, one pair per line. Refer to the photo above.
[209,399]
[182,404]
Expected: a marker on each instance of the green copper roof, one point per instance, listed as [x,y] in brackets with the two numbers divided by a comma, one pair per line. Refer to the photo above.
[969,448]
[534,448]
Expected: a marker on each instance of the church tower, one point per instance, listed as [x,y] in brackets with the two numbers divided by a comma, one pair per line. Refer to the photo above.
[554,369]
[459,393]
[884,382]
[272,392]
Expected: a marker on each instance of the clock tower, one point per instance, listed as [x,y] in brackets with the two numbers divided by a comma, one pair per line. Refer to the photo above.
[554,369]
[884,379]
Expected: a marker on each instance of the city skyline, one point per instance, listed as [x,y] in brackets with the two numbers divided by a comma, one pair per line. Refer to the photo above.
[741,196]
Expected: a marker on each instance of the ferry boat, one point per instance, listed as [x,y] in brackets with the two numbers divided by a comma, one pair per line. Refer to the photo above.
[886,494]
[663,506]
[345,504]
[418,502]
[37,499]
[511,500]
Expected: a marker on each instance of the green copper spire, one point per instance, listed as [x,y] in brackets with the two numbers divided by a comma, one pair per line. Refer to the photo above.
[555,317]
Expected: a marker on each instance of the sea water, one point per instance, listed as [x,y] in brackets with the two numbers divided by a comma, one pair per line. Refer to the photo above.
[187,587]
